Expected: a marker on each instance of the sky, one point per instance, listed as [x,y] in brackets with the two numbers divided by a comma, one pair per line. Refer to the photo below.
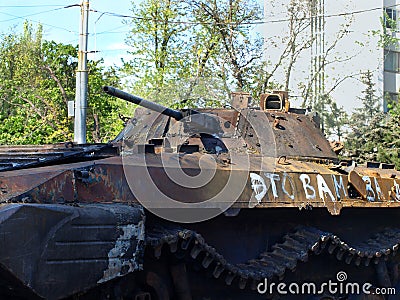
[107,33]
[61,21]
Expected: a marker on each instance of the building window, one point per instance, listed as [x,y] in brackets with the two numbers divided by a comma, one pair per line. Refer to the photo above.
[391,61]
[390,18]
[389,100]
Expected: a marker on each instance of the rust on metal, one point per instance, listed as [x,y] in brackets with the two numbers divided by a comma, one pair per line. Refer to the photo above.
[240,100]
[73,224]
[337,146]
[277,100]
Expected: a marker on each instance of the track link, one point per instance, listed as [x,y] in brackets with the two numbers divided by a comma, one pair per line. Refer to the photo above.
[296,246]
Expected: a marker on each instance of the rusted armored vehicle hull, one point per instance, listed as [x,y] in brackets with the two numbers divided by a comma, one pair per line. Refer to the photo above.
[245,203]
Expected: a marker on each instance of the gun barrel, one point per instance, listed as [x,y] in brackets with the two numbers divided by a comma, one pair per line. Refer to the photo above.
[176,114]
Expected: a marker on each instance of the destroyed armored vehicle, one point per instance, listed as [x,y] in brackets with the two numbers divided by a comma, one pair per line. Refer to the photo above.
[230,203]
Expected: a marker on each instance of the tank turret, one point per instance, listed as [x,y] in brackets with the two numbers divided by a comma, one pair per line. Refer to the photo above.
[272,129]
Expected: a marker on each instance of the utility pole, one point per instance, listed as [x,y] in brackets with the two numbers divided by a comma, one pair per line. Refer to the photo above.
[317,11]
[82,78]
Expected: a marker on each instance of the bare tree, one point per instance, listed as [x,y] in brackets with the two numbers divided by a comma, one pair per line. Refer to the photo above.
[232,22]
[296,44]
[299,39]
[326,61]
[292,45]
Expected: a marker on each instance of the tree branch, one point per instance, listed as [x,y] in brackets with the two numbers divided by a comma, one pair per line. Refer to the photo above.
[53,75]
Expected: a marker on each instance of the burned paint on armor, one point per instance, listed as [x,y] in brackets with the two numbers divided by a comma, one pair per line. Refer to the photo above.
[72,226]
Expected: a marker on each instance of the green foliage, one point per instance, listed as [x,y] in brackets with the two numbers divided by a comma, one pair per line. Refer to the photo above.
[367,126]
[37,79]
[335,118]
[192,52]
[25,116]
[382,138]
[104,122]
[156,45]
[387,34]
[389,139]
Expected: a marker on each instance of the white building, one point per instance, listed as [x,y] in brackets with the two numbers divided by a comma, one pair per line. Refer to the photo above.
[391,79]
[357,52]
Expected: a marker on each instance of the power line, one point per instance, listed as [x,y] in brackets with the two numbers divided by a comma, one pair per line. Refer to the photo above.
[38,22]
[340,14]
[258,22]
[72,41]
[112,14]
[115,28]
[113,50]
[26,6]
[34,14]
[113,32]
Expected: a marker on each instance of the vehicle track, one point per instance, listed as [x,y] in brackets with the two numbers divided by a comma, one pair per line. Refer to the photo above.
[296,247]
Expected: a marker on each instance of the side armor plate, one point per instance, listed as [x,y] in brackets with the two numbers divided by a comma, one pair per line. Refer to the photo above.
[58,250]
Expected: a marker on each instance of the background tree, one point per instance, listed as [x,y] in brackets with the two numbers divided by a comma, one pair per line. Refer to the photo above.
[238,49]
[366,124]
[387,138]
[37,78]
[286,52]
[157,38]
[335,119]
[331,57]
[209,47]
[299,38]
[291,44]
